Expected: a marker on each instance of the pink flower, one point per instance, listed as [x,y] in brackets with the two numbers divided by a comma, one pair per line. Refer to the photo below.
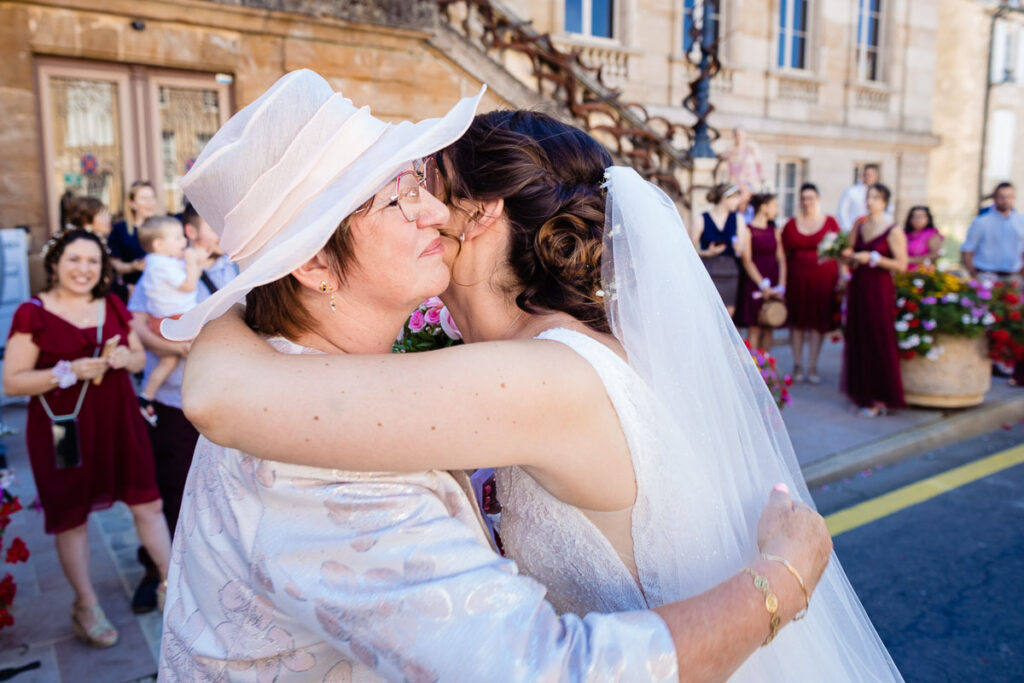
[449,326]
[432,302]
[433,316]
[416,321]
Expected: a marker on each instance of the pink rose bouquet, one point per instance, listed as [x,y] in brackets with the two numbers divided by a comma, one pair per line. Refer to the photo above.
[429,327]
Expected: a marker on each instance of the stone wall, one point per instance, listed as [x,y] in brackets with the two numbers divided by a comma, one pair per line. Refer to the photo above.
[958,102]
[397,71]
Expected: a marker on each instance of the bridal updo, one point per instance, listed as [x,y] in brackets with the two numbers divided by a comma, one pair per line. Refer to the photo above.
[549,175]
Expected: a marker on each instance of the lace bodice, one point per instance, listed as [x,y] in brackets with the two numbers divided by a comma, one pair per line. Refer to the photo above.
[556,543]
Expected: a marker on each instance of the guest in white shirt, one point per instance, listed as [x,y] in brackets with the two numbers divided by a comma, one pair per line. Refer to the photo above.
[853,204]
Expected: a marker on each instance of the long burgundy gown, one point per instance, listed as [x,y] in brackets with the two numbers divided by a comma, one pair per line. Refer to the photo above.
[871,364]
[810,285]
[763,245]
[116,456]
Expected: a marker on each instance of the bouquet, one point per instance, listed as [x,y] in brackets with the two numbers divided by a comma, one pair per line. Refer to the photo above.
[16,552]
[777,384]
[832,245]
[1006,333]
[429,327]
[930,302]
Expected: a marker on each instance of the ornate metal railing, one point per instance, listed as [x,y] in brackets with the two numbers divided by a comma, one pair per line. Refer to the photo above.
[656,147]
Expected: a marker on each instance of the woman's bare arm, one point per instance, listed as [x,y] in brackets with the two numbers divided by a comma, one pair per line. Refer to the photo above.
[530,403]
[21,377]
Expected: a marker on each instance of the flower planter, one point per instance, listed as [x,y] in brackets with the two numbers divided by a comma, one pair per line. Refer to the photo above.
[958,378]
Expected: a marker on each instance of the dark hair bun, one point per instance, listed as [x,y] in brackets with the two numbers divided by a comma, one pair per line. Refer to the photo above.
[548,174]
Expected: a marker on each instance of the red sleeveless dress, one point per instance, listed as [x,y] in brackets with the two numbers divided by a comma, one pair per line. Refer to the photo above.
[810,285]
[117,459]
[871,363]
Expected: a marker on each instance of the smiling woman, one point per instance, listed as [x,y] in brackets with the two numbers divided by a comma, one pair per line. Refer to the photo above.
[71,349]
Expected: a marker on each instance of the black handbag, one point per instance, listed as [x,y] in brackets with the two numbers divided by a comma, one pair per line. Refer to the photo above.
[67,447]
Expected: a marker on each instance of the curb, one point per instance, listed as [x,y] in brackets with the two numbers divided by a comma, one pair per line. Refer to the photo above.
[948,429]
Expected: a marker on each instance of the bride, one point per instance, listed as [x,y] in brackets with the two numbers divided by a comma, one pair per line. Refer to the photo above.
[596,304]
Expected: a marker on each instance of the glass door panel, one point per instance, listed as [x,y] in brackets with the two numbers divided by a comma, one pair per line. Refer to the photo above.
[188,117]
[88,155]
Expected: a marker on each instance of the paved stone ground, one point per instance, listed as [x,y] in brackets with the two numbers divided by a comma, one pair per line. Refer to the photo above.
[822,421]
[42,629]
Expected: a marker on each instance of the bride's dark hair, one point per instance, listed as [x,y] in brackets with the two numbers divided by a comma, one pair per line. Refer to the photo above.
[549,175]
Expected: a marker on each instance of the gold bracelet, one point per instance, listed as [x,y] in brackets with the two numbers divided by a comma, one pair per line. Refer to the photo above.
[799,579]
[771,603]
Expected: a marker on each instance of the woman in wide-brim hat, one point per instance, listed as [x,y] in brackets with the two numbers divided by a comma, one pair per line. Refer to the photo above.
[327,212]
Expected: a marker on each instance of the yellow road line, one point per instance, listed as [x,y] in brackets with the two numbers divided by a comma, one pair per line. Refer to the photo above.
[918,492]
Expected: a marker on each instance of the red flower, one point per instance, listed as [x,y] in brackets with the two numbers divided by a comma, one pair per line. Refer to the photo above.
[6,619]
[1011,298]
[907,355]
[771,362]
[911,306]
[18,552]
[788,381]
[7,590]
[1014,316]
[914,323]
[10,507]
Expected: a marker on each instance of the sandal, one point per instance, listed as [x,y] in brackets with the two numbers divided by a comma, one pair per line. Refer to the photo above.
[101,634]
[798,374]
[148,411]
[813,377]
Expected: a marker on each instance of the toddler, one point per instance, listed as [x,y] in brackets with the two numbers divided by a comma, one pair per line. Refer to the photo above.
[169,284]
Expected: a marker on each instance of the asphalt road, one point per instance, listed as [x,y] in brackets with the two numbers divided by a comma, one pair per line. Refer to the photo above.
[943,580]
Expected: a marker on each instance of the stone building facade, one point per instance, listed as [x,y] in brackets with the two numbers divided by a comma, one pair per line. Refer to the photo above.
[96,94]
[822,86]
[99,93]
[960,175]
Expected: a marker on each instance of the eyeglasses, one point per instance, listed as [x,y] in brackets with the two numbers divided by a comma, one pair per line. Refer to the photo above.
[407,188]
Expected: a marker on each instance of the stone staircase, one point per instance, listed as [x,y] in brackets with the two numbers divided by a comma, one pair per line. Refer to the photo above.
[527,69]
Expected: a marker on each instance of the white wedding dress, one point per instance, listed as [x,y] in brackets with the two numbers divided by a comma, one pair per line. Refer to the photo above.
[707,443]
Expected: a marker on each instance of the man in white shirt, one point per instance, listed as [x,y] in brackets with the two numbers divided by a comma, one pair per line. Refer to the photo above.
[853,204]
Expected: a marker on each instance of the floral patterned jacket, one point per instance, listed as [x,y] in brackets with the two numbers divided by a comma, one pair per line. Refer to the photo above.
[284,572]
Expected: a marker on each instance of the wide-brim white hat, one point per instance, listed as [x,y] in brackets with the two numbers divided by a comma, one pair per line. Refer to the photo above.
[281,174]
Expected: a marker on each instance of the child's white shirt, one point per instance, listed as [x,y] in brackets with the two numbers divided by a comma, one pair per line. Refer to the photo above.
[160,281]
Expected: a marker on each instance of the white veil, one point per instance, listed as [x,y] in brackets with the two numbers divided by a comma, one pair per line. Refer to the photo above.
[721,441]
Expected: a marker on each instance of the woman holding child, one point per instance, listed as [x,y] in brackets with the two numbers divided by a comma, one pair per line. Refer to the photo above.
[71,349]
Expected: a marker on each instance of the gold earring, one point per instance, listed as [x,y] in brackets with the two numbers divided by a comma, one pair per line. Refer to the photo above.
[333,307]
[323,286]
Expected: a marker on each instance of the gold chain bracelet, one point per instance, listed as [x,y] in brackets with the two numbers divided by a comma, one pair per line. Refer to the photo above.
[799,579]
[771,603]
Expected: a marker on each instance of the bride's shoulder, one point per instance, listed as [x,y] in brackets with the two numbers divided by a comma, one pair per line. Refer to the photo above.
[579,335]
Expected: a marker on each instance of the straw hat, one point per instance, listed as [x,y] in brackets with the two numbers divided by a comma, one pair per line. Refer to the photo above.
[281,174]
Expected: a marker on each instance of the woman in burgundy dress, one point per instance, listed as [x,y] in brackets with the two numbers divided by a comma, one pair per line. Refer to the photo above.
[764,269]
[871,367]
[811,286]
[72,349]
